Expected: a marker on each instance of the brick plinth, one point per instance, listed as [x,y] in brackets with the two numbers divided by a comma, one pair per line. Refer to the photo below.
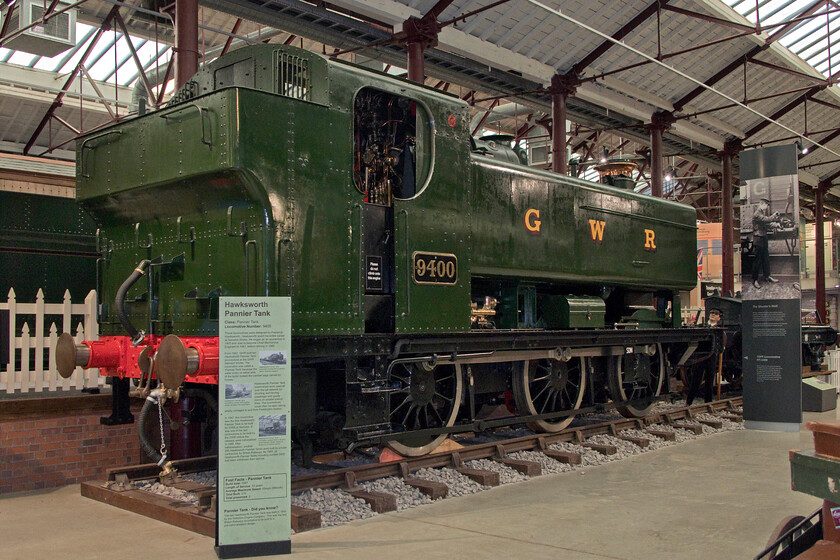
[45,446]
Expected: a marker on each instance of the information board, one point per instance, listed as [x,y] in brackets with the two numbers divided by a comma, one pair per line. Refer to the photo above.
[253,501]
[772,356]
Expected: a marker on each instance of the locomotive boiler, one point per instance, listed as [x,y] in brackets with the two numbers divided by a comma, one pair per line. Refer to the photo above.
[430,277]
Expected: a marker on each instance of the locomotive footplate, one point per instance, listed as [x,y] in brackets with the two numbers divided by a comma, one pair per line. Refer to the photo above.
[395,346]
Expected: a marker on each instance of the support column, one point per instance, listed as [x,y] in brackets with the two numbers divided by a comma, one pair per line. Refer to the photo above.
[819,194]
[558,133]
[419,34]
[730,150]
[562,86]
[659,123]
[186,41]
[416,62]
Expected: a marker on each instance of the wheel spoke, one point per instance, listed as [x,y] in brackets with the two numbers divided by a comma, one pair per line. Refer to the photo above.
[439,417]
[403,403]
[554,407]
[549,400]
[545,388]
[416,417]
[403,376]
[567,398]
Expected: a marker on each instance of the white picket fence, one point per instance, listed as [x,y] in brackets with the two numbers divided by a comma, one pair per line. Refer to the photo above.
[32,375]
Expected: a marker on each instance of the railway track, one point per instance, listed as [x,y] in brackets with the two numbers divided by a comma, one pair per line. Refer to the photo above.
[120,487]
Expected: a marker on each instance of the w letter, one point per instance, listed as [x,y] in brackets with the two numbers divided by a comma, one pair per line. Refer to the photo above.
[596,229]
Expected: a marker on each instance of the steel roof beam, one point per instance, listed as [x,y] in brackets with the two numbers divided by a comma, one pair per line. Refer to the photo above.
[72,52]
[136,58]
[484,117]
[827,180]
[72,128]
[785,110]
[735,64]
[115,70]
[58,99]
[708,18]
[823,141]
[625,30]
[666,56]
[747,102]
[233,32]
[98,92]
[6,19]
[787,70]
[812,165]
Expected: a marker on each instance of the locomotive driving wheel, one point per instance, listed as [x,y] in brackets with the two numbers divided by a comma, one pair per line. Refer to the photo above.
[425,397]
[636,376]
[545,386]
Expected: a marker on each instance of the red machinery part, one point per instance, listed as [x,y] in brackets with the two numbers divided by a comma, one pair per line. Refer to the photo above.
[207,350]
[194,359]
[127,364]
[103,353]
[115,356]
[197,356]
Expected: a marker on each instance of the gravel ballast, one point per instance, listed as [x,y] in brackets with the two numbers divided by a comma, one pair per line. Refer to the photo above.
[338,507]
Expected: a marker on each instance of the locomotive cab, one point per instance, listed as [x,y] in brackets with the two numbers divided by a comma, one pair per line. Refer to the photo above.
[392,160]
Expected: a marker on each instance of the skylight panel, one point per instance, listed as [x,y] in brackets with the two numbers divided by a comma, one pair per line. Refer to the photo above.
[808,39]
[111,56]
[21,58]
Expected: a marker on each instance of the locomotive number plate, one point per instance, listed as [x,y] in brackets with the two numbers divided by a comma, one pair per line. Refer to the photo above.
[435,268]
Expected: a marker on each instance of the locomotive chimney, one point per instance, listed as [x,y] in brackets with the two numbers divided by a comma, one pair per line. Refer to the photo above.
[618,173]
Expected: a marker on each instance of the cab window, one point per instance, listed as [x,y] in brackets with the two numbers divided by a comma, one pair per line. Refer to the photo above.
[393,138]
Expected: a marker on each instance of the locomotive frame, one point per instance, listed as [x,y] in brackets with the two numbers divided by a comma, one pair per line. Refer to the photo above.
[427,279]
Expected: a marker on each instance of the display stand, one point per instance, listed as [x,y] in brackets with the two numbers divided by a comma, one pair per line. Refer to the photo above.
[253,483]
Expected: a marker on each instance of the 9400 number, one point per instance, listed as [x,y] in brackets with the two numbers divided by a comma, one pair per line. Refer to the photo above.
[435,268]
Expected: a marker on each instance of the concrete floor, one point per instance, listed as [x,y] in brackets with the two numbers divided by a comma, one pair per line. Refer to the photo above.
[718,497]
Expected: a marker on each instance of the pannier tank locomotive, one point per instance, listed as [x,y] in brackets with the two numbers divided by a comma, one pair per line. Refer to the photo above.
[432,278]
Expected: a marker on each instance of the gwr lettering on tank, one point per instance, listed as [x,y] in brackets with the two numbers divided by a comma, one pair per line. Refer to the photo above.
[532,221]
[650,240]
[596,230]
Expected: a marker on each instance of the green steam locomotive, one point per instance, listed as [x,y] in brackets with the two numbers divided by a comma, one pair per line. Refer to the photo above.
[431,278]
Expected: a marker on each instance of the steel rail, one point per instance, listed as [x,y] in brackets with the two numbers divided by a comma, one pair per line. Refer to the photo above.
[339,478]
[536,442]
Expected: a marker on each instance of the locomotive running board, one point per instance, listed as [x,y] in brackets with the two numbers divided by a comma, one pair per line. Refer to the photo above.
[561,354]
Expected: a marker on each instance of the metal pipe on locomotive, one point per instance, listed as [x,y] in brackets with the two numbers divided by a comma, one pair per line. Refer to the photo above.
[432,276]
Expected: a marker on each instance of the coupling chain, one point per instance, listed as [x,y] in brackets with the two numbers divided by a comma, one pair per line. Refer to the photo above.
[160,421]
